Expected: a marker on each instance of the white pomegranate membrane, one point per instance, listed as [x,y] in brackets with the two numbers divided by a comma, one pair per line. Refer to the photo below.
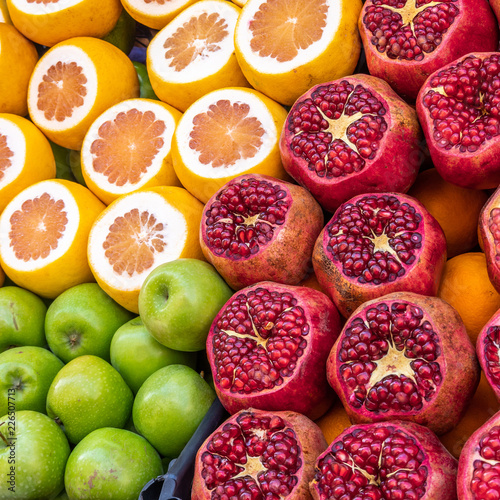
[12,151]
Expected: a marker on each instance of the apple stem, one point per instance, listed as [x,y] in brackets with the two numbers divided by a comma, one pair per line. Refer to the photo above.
[2,437]
[202,374]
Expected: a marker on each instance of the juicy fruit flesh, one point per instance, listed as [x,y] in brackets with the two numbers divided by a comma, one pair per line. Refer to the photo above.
[492,354]
[485,481]
[258,341]
[5,156]
[390,359]
[244,217]
[375,464]
[464,104]
[375,239]
[254,457]
[337,129]
[409,29]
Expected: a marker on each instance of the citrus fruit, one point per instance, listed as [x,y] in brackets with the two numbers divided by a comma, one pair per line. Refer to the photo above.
[194,54]
[48,22]
[455,208]
[25,156]
[226,133]
[43,236]
[284,47]
[128,147]
[333,422]
[18,57]
[155,14]
[4,12]
[240,3]
[73,83]
[465,285]
[139,231]
[123,33]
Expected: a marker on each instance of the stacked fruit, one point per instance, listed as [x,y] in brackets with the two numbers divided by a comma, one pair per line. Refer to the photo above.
[292,206]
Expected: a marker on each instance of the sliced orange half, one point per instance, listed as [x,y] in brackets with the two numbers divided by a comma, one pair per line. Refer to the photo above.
[25,156]
[284,47]
[240,3]
[128,147]
[138,232]
[226,133]
[43,236]
[155,14]
[194,54]
[48,22]
[73,83]
[18,57]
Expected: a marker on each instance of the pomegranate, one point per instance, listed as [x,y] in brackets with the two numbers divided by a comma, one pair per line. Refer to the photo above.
[257,455]
[379,243]
[495,5]
[478,475]
[391,460]
[407,40]
[351,136]
[268,347]
[404,356]
[258,228]
[459,109]
[489,232]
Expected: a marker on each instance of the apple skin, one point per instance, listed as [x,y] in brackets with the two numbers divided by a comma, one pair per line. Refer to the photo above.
[22,316]
[178,301]
[87,394]
[111,464]
[25,375]
[40,451]
[82,320]
[137,355]
[169,407]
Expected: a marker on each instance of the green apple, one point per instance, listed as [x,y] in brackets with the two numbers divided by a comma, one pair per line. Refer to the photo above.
[137,355]
[111,464]
[87,394]
[82,320]
[178,301]
[25,377]
[22,316]
[169,407]
[33,456]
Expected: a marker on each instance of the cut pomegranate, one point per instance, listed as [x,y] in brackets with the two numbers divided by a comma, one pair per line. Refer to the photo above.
[459,109]
[390,460]
[349,137]
[268,347]
[489,230]
[376,244]
[479,463]
[257,455]
[257,228]
[405,357]
[407,40]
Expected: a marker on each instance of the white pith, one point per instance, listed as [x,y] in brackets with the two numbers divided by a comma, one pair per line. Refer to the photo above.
[209,62]
[161,113]
[65,54]
[175,234]
[57,191]
[16,142]
[40,9]
[154,9]
[258,109]
[269,65]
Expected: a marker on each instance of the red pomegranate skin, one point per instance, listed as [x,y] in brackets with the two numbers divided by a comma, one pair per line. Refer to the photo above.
[258,454]
[478,476]
[489,229]
[351,136]
[389,460]
[458,107]
[257,228]
[407,40]
[495,5]
[267,348]
[378,243]
[404,356]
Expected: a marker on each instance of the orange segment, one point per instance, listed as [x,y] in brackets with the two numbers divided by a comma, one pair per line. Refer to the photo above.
[139,231]
[25,156]
[226,133]
[48,22]
[194,54]
[155,14]
[73,83]
[128,147]
[284,47]
[43,236]
[18,57]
